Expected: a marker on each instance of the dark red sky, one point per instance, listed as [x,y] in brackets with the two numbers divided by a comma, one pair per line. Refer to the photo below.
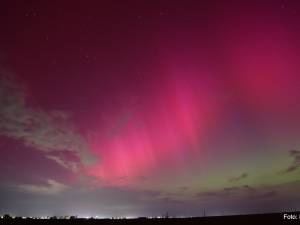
[132,108]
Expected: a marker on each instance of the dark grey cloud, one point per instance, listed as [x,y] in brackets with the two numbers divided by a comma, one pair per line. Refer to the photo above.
[184,188]
[170,200]
[238,178]
[243,191]
[295,154]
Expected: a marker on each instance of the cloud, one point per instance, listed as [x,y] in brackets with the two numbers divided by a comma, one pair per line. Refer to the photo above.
[170,200]
[23,164]
[183,188]
[238,178]
[66,164]
[239,192]
[295,154]
[45,131]
[52,187]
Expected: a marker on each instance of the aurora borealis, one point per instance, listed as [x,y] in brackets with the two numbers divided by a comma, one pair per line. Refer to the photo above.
[138,108]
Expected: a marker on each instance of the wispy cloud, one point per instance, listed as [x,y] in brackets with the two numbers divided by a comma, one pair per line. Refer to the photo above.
[64,163]
[238,178]
[295,154]
[51,187]
[45,131]
[238,191]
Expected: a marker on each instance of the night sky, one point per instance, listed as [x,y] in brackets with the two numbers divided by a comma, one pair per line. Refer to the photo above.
[138,108]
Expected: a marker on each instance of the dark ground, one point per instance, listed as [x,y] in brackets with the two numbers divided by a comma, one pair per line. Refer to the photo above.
[259,219]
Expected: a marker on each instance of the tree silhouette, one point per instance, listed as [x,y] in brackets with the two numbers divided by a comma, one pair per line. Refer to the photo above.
[7,217]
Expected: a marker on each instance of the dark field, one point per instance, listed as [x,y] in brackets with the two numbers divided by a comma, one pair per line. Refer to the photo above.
[270,219]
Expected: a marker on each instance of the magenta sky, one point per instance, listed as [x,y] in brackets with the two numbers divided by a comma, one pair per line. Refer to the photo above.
[140,107]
